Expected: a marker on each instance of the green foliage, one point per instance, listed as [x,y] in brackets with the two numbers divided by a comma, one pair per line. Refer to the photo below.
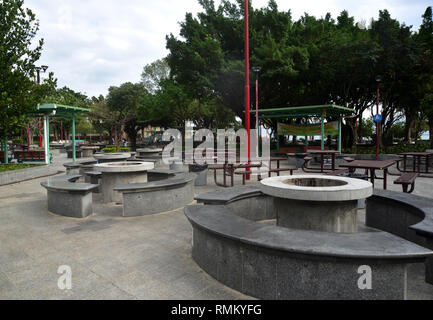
[114,149]
[18,141]
[12,167]
[310,61]
[400,148]
[19,93]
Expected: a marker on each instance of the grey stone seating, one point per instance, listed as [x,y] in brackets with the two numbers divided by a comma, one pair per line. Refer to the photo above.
[270,262]
[158,196]
[407,179]
[161,174]
[74,168]
[67,198]
[405,215]
[95,177]
[227,195]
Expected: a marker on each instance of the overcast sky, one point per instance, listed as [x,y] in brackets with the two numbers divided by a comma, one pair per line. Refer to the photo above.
[93,44]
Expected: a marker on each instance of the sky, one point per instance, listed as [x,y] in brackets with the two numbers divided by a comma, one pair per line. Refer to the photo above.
[91,45]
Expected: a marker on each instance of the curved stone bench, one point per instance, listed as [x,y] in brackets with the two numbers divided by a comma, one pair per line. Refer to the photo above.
[271,262]
[67,198]
[244,201]
[141,199]
[405,215]
[161,174]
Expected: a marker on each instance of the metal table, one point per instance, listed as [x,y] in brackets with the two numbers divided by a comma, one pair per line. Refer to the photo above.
[371,166]
[324,153]
[417,156]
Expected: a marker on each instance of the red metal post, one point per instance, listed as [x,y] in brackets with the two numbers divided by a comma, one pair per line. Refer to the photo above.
[377,126]
[247,84]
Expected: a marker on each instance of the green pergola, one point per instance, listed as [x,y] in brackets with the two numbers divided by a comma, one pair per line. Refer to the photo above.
[320,111]
[53,110]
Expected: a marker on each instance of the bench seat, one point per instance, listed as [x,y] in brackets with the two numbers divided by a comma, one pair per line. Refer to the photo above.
[141,199]
[67,198]
[407,179]
[297,264]
[405,215]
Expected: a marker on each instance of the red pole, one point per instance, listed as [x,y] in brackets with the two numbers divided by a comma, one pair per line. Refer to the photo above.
[247,84]
[28,136]
[377,126]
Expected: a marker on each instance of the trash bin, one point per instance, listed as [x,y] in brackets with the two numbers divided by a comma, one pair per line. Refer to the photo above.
[201,172]
[361,202]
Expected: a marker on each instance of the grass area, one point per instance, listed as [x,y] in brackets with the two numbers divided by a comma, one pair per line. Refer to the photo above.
[16,166]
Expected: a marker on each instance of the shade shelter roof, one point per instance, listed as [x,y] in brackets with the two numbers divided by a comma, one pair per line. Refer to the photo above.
[49,110]
[57,110]
[331,110]
[320,111]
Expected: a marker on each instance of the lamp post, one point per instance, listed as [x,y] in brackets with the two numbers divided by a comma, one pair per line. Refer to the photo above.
[378,80]
[247,85]
[256,72]
[38,81]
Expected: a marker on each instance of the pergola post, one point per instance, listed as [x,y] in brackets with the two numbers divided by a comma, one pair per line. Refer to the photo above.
[47,139]
[73,138]
[278,139]
[339,135]
[5,150]
[322,124]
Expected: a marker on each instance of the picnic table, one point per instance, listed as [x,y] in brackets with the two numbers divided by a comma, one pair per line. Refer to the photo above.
[229,171]
[322,154]
[417,156]
[278,169]
[371,166]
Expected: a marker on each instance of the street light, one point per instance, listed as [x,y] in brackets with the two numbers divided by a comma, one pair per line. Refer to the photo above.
[378,80]
[256,72]
[247,83]
[38,81]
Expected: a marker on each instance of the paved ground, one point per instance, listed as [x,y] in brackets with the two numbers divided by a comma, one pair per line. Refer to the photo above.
[113,257]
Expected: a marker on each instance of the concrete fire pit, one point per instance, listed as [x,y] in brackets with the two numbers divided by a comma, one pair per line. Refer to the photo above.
[118,173]
[111,157]
[148,153]
[314,202]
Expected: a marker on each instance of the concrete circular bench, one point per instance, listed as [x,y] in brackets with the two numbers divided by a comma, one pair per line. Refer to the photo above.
[271,262]
[76,167]
[405,215]
[67,198]
[158,196]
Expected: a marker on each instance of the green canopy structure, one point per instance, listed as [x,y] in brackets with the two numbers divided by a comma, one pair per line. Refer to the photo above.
[320,111]
[53,110]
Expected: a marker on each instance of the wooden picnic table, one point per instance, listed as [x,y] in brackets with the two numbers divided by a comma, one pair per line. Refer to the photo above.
[417,156]
[324,153]
[372,166]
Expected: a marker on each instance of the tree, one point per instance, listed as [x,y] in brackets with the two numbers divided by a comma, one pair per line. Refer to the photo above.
[425,41]
[19,93]
[154,73]
[124,102]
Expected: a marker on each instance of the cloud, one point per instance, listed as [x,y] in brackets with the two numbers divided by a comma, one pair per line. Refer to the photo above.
[91,45]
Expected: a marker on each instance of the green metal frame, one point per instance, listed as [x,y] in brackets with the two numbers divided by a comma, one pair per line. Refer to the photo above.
[58,111]
[320,111]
